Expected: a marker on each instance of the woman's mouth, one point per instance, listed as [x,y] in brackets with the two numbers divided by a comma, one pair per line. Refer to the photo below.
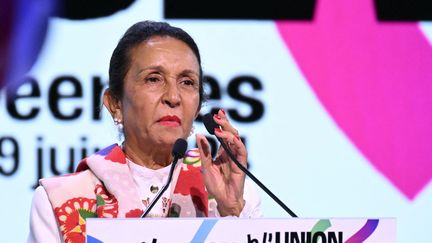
[170,121]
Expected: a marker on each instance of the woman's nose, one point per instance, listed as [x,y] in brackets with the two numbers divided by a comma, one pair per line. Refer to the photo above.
[172,96]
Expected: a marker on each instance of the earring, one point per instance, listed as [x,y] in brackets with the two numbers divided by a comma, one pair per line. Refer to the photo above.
[118,123]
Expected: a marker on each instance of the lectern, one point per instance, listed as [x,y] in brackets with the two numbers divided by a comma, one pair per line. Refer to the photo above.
[224,230]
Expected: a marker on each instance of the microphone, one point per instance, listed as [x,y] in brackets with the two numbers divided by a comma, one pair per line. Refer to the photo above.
[178,152]
[210,125]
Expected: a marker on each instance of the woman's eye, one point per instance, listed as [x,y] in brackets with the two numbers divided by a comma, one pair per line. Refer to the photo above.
[188,82]
[152,79]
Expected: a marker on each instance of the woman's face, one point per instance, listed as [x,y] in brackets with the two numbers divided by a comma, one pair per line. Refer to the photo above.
[161,92]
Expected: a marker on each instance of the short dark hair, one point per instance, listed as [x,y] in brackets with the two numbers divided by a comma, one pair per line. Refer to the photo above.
[137,34]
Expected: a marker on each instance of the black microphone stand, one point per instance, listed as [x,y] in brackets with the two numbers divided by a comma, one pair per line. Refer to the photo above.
[161,192]
[210,124]
[179,150]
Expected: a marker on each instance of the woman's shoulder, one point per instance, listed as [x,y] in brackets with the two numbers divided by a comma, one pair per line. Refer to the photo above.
[65,177]
[83,172]
[68,182]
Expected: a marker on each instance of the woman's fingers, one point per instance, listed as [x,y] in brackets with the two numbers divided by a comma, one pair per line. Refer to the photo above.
[204,149]
[222,120]
[235,144]
[226,130]
[228,137]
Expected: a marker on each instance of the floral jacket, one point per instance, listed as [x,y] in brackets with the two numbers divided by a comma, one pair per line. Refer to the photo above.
[103,187]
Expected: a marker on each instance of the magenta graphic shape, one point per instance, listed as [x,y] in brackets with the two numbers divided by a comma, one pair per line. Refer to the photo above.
[375,80]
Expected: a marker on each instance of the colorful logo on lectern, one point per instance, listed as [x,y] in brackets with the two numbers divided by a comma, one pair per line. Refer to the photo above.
[318,233]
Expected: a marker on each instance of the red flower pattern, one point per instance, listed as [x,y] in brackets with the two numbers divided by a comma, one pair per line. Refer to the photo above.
[134,213]
[72,214]
[192,183]
[72,224]
[109,208]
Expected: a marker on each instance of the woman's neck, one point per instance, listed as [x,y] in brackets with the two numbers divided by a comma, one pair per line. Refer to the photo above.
[150,157]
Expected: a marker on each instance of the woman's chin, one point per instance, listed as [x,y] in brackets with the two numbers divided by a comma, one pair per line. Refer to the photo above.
[171,138]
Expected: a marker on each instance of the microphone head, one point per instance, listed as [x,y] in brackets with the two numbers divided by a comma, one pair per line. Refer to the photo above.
[179,148]
[209,123]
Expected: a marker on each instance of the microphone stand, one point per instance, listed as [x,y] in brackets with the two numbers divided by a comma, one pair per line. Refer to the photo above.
[179,150]
[258,182]
[210,125]
[161,192]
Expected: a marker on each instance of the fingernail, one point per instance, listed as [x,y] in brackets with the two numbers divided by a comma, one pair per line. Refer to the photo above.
[237,137]
[223,111]
[217,116]
[217,129]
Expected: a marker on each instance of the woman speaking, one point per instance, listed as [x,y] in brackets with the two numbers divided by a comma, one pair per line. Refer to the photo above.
[155,93]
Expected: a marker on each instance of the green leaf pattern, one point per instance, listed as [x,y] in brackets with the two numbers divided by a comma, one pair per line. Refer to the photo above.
[84,213]
[100,201]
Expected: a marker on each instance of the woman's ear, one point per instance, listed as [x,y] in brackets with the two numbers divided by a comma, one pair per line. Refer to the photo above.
[113,104]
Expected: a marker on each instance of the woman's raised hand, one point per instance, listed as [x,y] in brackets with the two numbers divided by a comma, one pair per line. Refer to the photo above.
[223,179]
